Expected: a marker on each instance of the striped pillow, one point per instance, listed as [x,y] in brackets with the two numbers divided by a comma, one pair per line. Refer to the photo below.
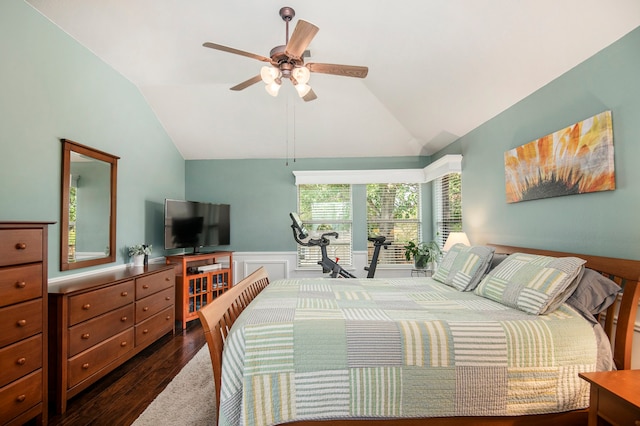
[532,283]
[463,266]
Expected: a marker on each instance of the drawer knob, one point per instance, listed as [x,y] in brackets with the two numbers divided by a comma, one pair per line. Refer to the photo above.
[21,361]
[145,309]
[145,286]
[21,246]
[167,279]
[21,284]
[85,336]
[123,319]
[21,398]
[22,323]
[145,331]
[85,366]
[86,306]
[168,317]
[123,344]
[124,294]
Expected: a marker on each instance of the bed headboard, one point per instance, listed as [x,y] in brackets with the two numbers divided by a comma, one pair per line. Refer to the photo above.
[622,313]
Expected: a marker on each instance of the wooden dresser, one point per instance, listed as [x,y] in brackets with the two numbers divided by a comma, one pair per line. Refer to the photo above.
[98,322]
[23,320]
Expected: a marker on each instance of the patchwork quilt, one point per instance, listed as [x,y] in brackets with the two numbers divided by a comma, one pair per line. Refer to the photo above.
[385,348]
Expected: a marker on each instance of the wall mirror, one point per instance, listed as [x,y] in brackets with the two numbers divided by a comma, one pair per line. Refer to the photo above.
[88,207]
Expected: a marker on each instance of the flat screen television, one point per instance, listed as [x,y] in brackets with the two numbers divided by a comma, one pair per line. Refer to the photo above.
[193,225]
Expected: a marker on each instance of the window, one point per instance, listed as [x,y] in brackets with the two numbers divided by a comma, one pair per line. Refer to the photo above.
[447,206]
[326,208]
[393,210]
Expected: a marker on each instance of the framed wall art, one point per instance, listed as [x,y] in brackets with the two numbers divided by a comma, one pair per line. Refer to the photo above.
[574,160]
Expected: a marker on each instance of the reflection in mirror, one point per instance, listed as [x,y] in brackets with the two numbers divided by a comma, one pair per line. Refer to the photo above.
[88,214]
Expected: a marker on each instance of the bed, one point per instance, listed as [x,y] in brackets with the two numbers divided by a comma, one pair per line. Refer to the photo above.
[461,348]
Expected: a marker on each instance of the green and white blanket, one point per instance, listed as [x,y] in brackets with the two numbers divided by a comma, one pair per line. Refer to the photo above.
[326,349]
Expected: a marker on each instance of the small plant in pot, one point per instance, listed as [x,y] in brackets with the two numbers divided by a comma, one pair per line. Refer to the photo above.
[423,254]
[139,253]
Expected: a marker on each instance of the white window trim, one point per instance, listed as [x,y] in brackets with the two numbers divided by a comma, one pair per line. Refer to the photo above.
[451,163]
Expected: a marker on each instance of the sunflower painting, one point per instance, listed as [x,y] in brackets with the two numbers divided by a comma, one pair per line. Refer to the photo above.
[573,160]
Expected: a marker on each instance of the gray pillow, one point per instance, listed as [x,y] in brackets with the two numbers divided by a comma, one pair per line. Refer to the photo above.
[594,294]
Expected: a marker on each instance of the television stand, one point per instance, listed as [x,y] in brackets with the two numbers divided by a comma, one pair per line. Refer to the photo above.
[196,288]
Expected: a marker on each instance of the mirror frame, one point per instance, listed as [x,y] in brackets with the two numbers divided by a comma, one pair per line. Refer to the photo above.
[69,146]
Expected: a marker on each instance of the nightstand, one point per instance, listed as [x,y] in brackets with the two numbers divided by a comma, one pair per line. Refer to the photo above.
[615,397]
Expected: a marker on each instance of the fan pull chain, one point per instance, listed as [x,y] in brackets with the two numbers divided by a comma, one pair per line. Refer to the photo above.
[287,130]
[294,132]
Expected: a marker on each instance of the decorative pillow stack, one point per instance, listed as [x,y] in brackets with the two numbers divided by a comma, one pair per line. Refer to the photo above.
[532,283]
[463,266]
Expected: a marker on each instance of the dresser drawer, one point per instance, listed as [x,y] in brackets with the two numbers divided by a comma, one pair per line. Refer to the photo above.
[20,246]
[20,359]
[20,321]
[88,333]
[154,283]
[20,283]
[155,326]
[153,304]
[20,396]
[88,305]
[89,362]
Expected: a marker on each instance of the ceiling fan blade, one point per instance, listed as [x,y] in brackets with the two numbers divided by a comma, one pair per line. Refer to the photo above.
[344,70]
[300,39]
[310,96]
[245,84]
[236,51]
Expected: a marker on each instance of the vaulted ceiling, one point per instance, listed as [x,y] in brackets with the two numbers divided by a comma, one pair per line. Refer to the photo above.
[437,69]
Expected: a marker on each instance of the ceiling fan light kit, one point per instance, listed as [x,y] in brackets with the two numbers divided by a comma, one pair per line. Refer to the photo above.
[287,61]
[273,88]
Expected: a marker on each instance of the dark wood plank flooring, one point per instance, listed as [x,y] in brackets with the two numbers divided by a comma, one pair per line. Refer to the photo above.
[121,396]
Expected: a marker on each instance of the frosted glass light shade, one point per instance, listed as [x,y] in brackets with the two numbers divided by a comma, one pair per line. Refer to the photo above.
[303,89]
[301,74]
[273,88]
[455,238]
[268,74]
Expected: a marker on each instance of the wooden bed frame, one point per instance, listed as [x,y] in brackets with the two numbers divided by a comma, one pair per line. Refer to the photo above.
[217,318]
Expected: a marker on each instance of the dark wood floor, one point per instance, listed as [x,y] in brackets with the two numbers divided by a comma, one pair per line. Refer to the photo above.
[120,397]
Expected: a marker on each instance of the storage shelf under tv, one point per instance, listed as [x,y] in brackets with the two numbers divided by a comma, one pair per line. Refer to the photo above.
[196,289]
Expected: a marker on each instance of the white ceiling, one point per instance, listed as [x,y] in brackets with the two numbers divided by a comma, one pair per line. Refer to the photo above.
[437,68]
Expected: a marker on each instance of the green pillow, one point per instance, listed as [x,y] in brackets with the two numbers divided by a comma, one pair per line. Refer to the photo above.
[463,266]
[532,283]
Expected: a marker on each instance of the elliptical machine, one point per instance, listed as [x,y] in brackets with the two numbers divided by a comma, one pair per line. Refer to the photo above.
[329,265]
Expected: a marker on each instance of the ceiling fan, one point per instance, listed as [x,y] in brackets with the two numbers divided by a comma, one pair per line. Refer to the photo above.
[287,61]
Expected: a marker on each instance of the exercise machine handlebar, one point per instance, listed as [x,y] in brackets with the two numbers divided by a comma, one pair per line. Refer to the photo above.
[328,265]
[378,241]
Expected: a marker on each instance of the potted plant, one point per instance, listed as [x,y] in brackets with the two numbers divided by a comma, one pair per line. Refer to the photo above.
[140,254]
[423,254]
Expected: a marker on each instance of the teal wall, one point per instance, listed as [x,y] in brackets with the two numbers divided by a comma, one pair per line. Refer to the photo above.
[601,223]
[262,193]
[52,88]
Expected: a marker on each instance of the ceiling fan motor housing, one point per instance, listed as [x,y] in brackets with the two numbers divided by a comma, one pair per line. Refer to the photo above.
[287,13]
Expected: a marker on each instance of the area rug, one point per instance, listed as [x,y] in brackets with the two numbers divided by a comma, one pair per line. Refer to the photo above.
[188,399]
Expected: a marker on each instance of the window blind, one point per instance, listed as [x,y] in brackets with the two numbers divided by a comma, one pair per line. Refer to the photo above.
[326,208]
[393,210]
[448,206]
